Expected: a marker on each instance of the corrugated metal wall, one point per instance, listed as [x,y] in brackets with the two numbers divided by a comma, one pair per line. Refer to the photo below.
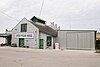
[76,39]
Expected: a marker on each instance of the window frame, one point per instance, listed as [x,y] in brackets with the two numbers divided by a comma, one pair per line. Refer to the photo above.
[24,27]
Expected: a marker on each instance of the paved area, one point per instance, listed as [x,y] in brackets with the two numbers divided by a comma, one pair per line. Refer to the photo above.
[26,57]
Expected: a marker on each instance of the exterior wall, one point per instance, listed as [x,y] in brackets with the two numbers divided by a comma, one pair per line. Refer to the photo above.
[61,39]
[31,42]
[76,39]
[54,41]
[44,37]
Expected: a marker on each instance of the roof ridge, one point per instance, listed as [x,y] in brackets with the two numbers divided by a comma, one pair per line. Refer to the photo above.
[38,18]
[45,29]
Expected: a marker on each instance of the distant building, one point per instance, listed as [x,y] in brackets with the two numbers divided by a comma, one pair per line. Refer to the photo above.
[98,36]
[35,33]
[98,40]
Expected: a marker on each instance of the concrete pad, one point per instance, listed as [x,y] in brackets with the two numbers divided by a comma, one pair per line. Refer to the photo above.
[26,57]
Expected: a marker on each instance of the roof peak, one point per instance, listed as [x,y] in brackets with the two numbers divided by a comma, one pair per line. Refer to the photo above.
[38,18]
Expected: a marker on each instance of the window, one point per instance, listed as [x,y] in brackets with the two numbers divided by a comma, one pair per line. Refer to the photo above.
[49,40]
[23,27]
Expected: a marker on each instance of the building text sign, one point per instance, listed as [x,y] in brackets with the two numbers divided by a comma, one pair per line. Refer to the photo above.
[24,35]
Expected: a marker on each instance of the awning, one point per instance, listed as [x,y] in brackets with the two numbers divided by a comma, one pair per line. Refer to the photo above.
[5,35]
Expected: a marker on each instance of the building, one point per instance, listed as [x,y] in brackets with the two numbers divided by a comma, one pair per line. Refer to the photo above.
[35,33]
[98,36]
[98,40]
[77,39]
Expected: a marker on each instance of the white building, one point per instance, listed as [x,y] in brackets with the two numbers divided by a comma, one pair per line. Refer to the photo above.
[35,33]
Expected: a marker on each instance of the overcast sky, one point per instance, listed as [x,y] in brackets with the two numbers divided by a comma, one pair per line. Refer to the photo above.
[69,14]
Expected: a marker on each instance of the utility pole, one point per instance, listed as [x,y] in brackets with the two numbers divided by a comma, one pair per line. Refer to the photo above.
[41,8]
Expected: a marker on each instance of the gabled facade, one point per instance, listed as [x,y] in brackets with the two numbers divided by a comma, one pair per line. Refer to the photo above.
[33,34]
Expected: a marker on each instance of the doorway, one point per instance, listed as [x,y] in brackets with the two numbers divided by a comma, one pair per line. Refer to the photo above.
[21,42]
[41,44]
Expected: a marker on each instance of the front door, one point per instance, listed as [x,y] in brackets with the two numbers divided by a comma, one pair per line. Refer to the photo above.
[41,43]
[21,42]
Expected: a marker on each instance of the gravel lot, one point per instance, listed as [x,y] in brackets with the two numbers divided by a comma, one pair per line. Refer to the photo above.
[26,57]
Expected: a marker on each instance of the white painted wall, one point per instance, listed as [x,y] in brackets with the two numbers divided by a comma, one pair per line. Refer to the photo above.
[2,40]
[44,36]
[32,42]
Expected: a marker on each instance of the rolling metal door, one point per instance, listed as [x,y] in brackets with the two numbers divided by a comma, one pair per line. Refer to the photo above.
[62,40]
[84,41]
[71,40]
[76,39]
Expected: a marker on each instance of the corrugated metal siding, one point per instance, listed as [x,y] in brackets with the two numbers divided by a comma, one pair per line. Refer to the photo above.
[76,39]
[71,40]
[84,40]
[62,40]
[93,40]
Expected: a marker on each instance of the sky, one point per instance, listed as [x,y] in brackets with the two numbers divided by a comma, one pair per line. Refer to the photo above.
[68,14]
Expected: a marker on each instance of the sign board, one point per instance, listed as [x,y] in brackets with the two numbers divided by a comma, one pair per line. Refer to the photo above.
[24,35]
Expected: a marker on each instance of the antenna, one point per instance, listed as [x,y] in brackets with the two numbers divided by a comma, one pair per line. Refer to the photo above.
[41,8]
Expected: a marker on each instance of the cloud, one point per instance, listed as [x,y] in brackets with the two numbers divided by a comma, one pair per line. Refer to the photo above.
[3,2]
[69,14]
[24,8]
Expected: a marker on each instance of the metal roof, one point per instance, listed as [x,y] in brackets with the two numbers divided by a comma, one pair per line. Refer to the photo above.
[80,30]
[38,18]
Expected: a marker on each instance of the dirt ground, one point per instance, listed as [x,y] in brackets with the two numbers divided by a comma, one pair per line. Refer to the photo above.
[26,57]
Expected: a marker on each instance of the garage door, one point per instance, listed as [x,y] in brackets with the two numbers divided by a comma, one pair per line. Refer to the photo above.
[71,40]
[78,40]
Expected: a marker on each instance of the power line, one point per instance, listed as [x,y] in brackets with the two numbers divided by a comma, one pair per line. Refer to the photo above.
[41,8]
[8,16]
